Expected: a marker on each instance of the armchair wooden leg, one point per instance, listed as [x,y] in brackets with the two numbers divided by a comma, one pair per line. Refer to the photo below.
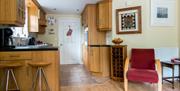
[160,86]
[125,84]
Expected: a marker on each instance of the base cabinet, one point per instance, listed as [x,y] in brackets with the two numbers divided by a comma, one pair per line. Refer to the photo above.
[99,61]
[94,59]
[26,73]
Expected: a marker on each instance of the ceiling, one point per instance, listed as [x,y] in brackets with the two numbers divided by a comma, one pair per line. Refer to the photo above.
[65,6]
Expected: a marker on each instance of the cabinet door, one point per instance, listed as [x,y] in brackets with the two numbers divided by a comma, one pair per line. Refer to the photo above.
[105,61]
[11,12]
[84,17]
[104,15]
[33,17]
[51,71]
[94,60]
[85,56]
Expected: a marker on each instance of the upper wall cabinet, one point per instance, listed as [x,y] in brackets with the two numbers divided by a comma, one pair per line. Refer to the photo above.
[36,17]
[33,17]
[42,22]
[85,17]
[89,20]
[12,12]
[104,15]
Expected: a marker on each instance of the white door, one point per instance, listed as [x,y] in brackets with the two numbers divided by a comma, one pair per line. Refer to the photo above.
[70,41]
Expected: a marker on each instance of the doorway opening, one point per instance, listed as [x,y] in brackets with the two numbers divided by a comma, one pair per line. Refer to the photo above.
[70,40]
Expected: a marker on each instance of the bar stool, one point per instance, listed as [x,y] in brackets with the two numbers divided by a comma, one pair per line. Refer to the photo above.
[40,74]
[9,72]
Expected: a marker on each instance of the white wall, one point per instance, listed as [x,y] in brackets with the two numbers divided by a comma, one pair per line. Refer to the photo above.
[151,37]
[165,40]
[53,38]
[50,38]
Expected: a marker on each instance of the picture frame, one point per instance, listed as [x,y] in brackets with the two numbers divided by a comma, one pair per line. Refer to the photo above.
[163,12]
[128,20]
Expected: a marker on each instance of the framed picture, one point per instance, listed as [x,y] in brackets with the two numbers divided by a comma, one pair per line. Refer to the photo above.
[163,12]
[128,20]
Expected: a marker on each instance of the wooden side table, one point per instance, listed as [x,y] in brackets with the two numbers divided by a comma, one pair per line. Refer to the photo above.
[171,65]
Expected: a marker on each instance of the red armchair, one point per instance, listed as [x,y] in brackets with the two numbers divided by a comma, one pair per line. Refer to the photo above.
[142,68]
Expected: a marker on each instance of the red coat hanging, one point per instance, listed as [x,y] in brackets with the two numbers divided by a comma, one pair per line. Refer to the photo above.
[69,33]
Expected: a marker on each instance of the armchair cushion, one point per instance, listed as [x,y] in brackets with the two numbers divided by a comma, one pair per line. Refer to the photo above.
[143,59]
[142,75]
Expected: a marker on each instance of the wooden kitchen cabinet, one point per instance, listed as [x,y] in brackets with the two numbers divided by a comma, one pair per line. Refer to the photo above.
[89,20]
[94,56]
[33,17]
[25,73]
[12,12]
[105,61]
[18,57]
[93,60]
[85,56]
[52,71]
[104,15]
[42,22]
[99,61]
[84,17]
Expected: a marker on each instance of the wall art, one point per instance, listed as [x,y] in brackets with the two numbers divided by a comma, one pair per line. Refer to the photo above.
[128,20]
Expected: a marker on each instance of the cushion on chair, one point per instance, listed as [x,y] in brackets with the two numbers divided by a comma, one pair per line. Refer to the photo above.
[143,59]
[142,75]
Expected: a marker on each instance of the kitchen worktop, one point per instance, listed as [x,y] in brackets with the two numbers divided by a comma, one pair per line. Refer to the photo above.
[99,45]
[30,48]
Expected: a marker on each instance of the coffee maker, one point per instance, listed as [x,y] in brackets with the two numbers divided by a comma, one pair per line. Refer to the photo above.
[6,40]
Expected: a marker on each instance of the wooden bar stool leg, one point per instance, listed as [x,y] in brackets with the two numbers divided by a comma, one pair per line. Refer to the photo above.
[173,77]
[3,81]
[34,81]
[40,82]
[47,85]
[7,80]
[12,73]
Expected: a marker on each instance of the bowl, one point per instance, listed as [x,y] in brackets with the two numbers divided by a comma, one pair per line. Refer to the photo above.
[117,40]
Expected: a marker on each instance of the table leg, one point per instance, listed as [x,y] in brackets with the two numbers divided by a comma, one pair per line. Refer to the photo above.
[173,77]
[179,73]
[162,73]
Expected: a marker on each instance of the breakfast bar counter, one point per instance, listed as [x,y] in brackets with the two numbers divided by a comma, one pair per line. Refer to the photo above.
[26,73]
[30,48]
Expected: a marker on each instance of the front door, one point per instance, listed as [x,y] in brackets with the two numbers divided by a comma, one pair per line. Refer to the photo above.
[70,41]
